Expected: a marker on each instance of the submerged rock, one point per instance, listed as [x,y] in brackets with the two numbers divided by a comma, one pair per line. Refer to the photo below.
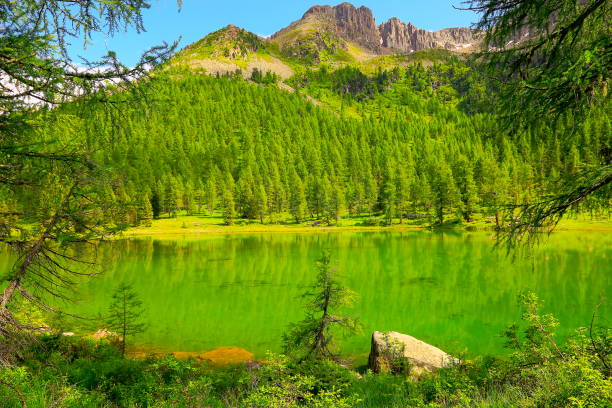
[391,350]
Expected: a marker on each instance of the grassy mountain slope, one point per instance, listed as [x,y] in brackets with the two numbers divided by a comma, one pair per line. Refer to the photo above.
[305,45]
[312,41]
[231,49]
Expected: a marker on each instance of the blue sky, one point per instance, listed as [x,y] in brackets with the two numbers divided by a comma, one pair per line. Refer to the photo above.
[164,22]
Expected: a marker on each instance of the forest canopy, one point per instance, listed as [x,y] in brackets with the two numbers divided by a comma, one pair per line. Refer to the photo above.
[406,143]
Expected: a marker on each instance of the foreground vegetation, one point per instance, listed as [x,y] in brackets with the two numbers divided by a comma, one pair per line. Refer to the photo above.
[539,372]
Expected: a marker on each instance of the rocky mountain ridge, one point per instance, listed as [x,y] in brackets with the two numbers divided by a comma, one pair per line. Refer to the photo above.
[334,35]
[405,37]
[358,26]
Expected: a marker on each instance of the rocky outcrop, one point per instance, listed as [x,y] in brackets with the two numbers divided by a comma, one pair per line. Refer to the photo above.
[350,23]
[405,38]
[390,350]
[358,26]
[333,35]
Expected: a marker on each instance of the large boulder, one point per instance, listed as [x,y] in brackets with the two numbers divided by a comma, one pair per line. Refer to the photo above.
[390,351]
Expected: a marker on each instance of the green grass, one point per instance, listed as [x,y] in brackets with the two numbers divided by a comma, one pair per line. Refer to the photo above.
[215,224]
[198,224]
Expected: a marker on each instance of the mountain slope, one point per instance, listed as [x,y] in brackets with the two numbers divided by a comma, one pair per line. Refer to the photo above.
[349,25]
[230,49]
[324,31]
[396,144]
[337,36]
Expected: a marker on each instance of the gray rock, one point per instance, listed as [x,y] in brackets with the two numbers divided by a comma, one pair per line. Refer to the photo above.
[405,37]
[350,23]
[358,26]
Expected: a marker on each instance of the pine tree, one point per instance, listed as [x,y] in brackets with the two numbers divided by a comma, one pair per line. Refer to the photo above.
[495,188]
[313,337]
[171,204]
[125,314]
[188,201]
[388,200]
[229,207]
[337,200]
[210,195]
[446,194]
[297,203]
[260,203]
[147,212]
[467,188]
[371,193]
[155,205]
[402,193]
[326,200]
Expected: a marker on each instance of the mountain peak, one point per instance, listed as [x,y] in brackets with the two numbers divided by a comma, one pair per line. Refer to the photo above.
[230,28]
[339,25]
[230,42]
[332,34]
[348,25]
[343,7]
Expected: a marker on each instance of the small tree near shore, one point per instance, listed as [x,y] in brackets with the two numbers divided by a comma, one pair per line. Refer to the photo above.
[313,337]
[125,314]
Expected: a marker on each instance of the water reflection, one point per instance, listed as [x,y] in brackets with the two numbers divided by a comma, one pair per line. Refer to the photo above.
[451,289]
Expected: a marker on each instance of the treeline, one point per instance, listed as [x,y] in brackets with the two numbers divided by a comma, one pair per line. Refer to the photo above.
[204,145]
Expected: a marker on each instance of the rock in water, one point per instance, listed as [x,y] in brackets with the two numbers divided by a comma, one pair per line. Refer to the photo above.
[388,349]
[105,334]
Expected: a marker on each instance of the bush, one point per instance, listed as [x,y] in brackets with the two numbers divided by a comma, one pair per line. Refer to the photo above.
[289,385]
[74,373]
[328,375]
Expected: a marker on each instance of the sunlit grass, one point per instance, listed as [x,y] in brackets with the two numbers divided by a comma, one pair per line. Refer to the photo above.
[215,224]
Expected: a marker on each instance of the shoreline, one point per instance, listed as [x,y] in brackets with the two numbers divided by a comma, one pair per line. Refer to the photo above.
[198,226]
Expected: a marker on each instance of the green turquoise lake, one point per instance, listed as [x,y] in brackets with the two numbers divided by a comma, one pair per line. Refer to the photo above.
[452,289]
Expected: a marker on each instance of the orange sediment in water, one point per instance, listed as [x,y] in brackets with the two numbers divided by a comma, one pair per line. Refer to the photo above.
[220,356]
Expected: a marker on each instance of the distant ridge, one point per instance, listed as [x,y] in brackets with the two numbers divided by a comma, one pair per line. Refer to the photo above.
[335,35]
[358,26]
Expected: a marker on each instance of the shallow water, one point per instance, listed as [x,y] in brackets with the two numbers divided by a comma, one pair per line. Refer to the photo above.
[451,289]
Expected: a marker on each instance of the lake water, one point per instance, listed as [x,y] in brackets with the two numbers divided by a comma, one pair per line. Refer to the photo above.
[451,289]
